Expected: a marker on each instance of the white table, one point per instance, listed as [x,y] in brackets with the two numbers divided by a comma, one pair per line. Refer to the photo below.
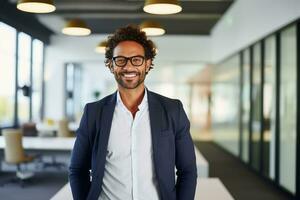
[202,164]
[211,189]
[45,128]
[207,189]
[44,143]
[64,193]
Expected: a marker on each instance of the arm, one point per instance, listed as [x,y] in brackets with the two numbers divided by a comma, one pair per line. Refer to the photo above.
[80,161]
[185,159]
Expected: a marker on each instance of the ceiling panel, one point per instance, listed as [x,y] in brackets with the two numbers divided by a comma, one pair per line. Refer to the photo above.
[103,16]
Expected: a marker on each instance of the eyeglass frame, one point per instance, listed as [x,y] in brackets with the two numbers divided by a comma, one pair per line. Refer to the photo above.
[128,58]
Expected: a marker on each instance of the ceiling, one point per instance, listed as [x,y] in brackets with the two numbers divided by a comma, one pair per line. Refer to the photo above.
[103,16]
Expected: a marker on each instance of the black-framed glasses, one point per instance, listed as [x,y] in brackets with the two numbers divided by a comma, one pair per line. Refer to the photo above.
[121,61]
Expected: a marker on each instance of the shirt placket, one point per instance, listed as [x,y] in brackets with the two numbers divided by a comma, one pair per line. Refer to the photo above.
[134,154]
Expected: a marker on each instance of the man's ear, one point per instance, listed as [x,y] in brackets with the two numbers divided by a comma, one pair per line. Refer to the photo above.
[111,68]
[109,64]
[148,65]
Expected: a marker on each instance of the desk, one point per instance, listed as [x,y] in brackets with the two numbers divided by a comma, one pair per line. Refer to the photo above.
[201,164]
[211,189]
[44,143]
[207,189]
[53,144]
[47,146]
[45,129]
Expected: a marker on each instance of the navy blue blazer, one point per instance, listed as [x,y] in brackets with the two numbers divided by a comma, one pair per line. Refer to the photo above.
[171,142]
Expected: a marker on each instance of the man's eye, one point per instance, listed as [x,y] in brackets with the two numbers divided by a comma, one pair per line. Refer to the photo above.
[137,59]
[121,60]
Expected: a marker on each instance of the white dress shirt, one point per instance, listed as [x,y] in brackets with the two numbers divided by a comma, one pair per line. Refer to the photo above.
[129,169]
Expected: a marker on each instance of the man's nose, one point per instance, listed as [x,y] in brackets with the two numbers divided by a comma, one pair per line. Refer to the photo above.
[128,65]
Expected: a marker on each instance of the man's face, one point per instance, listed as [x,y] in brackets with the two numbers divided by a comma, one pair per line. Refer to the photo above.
[130,76]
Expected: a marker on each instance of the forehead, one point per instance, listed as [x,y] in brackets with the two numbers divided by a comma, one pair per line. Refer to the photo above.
[128,48]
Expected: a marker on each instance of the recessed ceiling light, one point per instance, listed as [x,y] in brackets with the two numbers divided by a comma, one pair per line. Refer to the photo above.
[152,28]
[162,7]
[76,27]
[36,6]
[101,47]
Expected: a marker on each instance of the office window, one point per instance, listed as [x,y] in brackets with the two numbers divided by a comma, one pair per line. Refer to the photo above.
[24,60]
[70,90]
[37,79]
[246,105]
[288,107]
[73,90]
[225,101]
[269,98]
[256,106]
[7,74]
[77,91]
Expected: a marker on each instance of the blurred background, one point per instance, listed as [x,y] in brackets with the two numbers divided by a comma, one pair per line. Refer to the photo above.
[234,64]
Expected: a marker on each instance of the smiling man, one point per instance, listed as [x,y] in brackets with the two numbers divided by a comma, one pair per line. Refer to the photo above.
[129,142]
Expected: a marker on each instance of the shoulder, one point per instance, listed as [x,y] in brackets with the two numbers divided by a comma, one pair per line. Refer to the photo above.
[166,102]
[172,109]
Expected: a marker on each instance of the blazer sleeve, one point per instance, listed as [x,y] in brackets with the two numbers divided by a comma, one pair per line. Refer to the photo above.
[185,159]
[79,176]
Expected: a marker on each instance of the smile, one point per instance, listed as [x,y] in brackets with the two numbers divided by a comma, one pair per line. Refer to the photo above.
[129,75]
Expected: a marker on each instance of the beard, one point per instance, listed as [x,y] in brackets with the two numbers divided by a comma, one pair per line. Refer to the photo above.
[131,83]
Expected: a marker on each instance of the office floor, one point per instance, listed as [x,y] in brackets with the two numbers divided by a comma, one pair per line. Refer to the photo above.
[42,186]
[241,182]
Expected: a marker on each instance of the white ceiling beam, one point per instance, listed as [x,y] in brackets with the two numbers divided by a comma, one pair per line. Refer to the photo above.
[137,16]
[106,5]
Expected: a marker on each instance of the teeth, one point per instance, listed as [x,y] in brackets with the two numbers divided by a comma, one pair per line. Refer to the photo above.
[130,75]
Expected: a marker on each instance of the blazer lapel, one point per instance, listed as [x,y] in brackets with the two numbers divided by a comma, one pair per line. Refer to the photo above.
[105,122]
[156,119]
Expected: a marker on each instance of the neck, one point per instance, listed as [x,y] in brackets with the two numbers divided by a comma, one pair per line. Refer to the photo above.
[132,98]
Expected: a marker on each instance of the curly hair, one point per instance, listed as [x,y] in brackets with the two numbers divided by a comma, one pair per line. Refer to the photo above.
[129,33]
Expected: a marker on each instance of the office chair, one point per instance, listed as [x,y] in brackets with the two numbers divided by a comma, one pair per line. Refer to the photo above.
[29,129]
[63,128]
[14,154]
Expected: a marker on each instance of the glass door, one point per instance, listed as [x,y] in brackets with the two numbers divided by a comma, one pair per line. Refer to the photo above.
[256,108]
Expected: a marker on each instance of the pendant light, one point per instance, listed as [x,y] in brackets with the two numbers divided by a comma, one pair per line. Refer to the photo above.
[152,28]
[162,7]
[76,27]
[101,47]
[36,6]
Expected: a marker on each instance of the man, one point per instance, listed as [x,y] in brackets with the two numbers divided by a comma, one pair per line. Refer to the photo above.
[129,143]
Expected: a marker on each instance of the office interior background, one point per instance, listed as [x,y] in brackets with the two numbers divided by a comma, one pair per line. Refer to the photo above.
[234,65]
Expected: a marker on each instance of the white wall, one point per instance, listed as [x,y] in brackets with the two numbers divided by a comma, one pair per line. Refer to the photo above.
[248,21]
[183,49]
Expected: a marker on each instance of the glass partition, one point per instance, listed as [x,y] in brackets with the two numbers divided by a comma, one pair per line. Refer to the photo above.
[288,107]
[7,74]
[246,105]
[268,136]
[256,107]
[225,100]
[269,98]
